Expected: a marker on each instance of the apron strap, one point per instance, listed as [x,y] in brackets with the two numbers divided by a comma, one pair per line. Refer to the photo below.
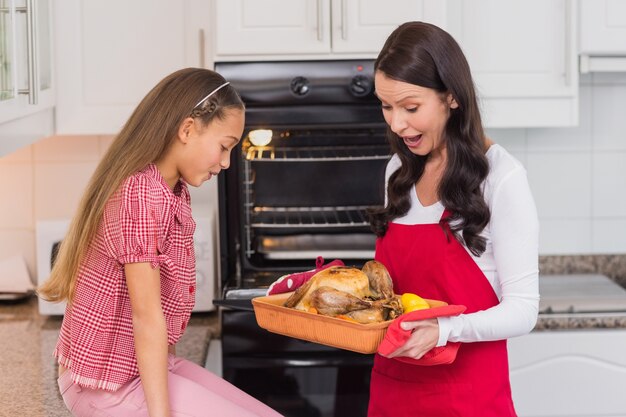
[445,215]
[443,223]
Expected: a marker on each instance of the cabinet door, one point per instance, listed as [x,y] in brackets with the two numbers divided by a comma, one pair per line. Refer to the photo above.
[363,25]
[110,53]
[280,27]
[25,58]
[568,373]
[523,59]
[603,27]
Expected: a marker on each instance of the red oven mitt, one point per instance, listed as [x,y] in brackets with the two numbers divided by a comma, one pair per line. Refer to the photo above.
[396,337]
[291,282]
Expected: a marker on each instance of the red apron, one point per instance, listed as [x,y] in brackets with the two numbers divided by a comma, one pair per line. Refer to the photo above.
[422,260]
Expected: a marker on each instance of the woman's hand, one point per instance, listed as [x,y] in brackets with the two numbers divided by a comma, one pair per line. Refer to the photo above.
[424,337]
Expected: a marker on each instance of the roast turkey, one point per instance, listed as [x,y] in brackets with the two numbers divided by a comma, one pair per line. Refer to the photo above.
[342,278]
[363,295]
[332,302]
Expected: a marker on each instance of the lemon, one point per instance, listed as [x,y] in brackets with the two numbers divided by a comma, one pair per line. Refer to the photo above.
[411,302]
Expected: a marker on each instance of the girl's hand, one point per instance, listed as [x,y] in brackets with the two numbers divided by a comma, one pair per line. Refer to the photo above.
[424,337]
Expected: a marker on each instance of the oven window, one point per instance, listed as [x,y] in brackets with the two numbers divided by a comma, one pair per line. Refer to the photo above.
[315,183]
[308,392]
[306,193]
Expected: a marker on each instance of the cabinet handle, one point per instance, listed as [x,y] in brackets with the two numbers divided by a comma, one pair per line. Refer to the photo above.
[201,40]
[320,17]
[31,52]
[568,43]
[344,20]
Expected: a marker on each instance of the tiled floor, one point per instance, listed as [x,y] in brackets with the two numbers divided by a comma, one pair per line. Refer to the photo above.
[28,370]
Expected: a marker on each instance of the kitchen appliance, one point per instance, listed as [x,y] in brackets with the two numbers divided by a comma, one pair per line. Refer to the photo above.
[311,162]
[50,233]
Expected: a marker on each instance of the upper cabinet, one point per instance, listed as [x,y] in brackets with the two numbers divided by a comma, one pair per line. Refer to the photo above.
[522,53]
[308,29]
[523,58]
[26,76]
[602,35]
[110,53]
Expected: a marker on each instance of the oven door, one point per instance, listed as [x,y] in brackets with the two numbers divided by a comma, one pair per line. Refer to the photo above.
[294,377]
[307,192]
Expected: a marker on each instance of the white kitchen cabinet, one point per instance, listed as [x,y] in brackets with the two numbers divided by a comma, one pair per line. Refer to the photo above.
[523,59]
[522,54]
[308,29]
[602,35]
[569,373]
[21,132]
[110,53]
[26,76]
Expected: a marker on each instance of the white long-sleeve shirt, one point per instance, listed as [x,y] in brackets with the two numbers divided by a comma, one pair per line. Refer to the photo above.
[510,261]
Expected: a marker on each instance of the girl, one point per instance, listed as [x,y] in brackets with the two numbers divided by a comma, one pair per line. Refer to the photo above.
[127,266]
[459,225]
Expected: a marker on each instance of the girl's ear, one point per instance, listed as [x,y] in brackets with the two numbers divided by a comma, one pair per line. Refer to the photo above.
[185,129]
[452,102]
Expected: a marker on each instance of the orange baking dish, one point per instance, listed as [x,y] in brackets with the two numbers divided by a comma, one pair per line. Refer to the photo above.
[363,338]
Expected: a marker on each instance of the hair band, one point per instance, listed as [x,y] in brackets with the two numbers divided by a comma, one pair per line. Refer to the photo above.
[211,93]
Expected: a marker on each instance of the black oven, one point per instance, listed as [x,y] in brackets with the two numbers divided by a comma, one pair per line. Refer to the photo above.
[311,162]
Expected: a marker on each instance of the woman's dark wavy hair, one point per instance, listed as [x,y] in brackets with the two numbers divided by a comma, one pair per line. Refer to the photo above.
[425,55]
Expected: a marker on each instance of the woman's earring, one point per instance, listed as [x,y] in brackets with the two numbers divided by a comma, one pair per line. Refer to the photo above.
[452,102]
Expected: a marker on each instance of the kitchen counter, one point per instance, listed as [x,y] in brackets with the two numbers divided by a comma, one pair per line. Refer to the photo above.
[28,383]
[580,301]
[581,321]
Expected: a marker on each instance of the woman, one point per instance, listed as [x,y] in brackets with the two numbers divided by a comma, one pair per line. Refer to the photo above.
[459,225]
[127,265]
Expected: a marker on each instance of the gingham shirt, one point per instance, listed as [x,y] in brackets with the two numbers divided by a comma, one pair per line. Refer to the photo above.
[144,221]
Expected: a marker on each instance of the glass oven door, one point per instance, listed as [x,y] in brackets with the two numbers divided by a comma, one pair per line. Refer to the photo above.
[305,193]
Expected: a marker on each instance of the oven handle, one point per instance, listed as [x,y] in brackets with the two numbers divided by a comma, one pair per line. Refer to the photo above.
[239,362]
[235,304]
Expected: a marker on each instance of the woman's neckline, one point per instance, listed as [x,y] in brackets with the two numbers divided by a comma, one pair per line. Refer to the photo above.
[437,204]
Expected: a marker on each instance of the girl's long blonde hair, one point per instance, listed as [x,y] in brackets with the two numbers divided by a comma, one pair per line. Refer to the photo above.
[144,139]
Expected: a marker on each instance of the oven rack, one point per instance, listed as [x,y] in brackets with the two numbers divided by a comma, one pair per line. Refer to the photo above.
[310,246]
[316,154]
[309,217]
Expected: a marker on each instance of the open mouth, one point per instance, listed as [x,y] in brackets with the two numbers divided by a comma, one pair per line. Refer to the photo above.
[412,141]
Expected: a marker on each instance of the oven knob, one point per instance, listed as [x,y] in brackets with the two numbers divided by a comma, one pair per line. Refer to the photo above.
[360,86]
[300,86]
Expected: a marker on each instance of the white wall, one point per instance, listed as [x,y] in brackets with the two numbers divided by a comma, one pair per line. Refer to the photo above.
[45,181]
[578,175]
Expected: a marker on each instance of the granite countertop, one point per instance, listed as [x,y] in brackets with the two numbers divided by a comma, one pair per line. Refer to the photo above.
[28,384]
[613,266]
[588,300]
[581,321]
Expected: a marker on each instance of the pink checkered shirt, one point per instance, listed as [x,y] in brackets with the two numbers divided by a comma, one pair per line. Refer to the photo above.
[144,221]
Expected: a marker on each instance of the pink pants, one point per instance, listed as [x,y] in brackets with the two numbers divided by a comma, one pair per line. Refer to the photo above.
[194,392]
